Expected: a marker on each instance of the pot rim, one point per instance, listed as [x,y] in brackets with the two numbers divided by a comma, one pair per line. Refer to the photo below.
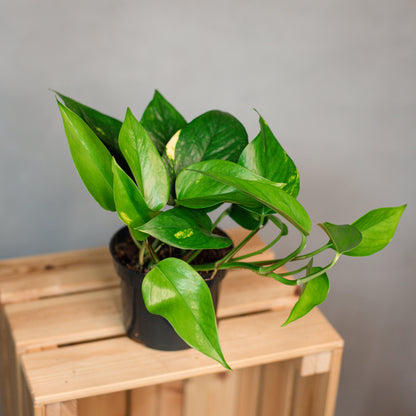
[124,230]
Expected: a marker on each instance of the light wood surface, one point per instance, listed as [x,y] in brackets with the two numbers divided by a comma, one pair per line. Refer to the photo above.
[113,404]
[121,364]
[94,315]
[277,389]
[61,318]
[35,277]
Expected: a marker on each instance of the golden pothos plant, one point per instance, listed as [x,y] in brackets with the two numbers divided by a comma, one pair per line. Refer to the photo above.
[163,175]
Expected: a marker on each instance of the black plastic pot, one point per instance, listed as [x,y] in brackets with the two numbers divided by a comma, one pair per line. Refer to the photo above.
[153,330]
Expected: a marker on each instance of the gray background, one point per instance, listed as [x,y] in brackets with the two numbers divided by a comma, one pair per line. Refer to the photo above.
[335,81]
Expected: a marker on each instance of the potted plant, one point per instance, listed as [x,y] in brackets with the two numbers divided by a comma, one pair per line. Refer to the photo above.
[163,176]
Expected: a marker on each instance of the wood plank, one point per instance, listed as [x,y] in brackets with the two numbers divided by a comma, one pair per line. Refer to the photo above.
[14,401]
[95,315]
[69,408]
[310,395]
[248,392]
[27,401]
[333,382]
[55,274]
[315,363]
[277,389]
[121,364]
[213,394]
[170,398]
[144,401]
[112,404]
[4,366]
[159,400]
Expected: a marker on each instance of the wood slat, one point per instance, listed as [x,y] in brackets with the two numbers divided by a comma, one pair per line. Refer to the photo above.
[310,395]
[5,366]
[94,315]
[69,408]
[248,391]
[112,404]
[55,274]
[333,382]
[277,389]
[121,364]
[212,394]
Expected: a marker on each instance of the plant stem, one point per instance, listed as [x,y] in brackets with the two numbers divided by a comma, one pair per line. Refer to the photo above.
[322,271]
[218,220]
[240,245]
[191,256]
[141,254]
[262,250]
[231,265]
[139,245]
[313,253]
[151,252]
[266,270]
[279,278]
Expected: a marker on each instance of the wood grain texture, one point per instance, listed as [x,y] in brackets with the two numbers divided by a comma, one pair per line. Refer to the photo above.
[159,400]
[170,398]
[14,376]
[213,394]
[95,315]
[120,364]
[333,382]
[310,395]
[316,363]
[144,401]
[55,274]
[113,404]
[248,391]
[68,408]
[4,366]
[277,389]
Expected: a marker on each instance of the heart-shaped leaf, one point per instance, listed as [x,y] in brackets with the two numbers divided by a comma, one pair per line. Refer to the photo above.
[212,135]
[343,237]
[265,156]
[130,205]
[314,293]
[161,120]
[267,194]
[144,160]
[91,158]
[174,290]
[377,228]
[184,228]
[196,190]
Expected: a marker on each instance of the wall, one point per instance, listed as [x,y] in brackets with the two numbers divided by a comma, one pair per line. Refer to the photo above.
[334,79]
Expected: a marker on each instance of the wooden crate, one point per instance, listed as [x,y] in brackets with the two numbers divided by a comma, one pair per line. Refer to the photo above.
[64,351]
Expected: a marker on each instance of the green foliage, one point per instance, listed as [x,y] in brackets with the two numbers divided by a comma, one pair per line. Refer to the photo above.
[265,156]
[91,158]
[163,175]
[161,120]
[147,166]
[343,237]
[183,228]
[377,228]
[176,291]
[313,294]
[130,204]
[213,135]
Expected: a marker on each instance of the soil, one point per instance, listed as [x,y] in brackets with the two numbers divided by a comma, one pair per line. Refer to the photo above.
[127,253]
